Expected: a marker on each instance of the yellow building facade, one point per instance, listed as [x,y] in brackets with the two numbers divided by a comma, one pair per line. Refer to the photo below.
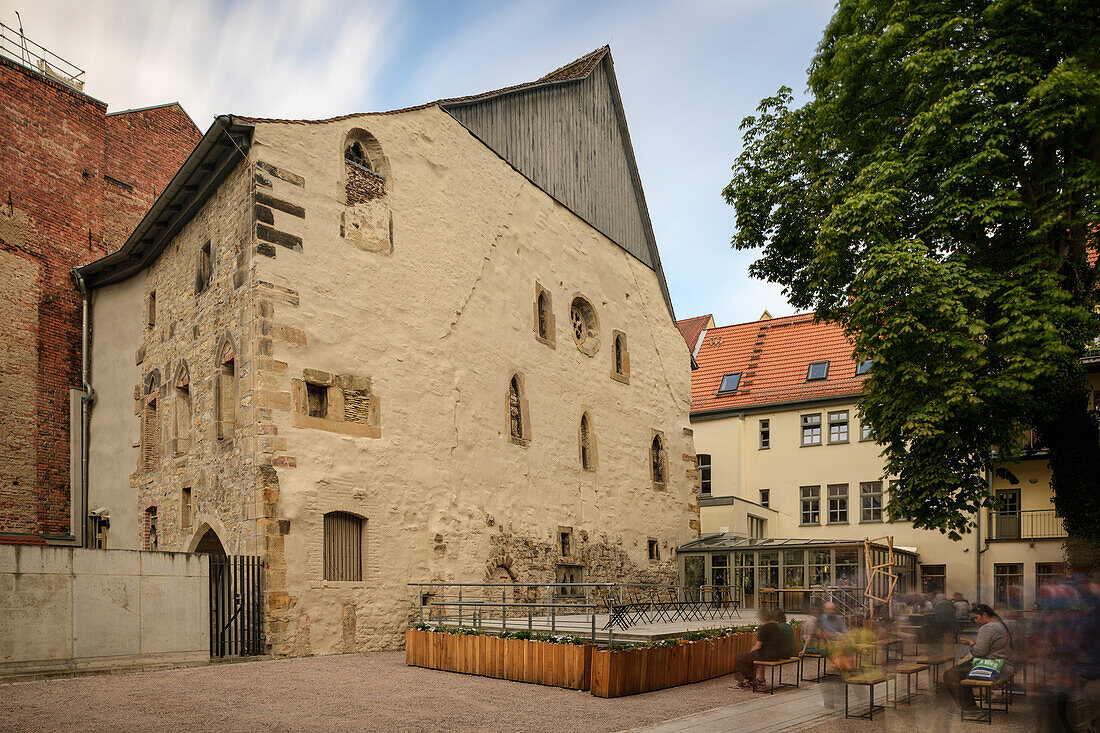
[784,454]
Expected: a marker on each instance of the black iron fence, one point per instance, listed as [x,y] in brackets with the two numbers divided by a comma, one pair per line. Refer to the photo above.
[236,619]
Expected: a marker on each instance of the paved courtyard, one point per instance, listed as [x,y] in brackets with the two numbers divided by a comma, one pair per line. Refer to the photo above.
[378,692]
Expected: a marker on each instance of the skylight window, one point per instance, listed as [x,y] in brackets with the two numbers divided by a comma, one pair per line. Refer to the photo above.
[730,383]
[818,370]
[864,367]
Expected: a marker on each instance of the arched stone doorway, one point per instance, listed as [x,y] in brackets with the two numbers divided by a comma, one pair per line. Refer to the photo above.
[209,543]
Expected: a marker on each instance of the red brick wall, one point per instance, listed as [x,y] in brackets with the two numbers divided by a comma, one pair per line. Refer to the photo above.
[54,209]
[145,148]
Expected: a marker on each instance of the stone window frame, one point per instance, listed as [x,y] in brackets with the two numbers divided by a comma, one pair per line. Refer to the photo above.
[590,461]
[150,528]
[566,546]
[187,506]
[205,264]
[550,337]
[355,552]
[379,163]
[582,310]
[225,426]
[148,409]
[523,439]
[151,309]
[182,410]
[658,460]
[334,421]
[620,358]
[653,549]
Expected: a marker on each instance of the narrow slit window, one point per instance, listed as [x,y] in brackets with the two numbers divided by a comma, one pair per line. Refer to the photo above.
[657,460]
[765,434]
[204,270]
[703,460]
[587,462]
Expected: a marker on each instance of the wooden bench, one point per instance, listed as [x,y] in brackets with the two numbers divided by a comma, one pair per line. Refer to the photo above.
[984,712]
[780,664]
[822,667]
[935,661]
[868,680]
[910,670]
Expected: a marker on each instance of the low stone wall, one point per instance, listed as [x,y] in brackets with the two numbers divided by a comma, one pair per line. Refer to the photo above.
[75,610]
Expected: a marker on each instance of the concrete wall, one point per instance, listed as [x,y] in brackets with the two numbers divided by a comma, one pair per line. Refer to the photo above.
[113,453]
[73,610]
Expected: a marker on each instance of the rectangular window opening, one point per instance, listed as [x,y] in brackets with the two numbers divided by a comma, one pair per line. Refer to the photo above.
[703,460]
[870,501]
[765,497]
[565,542]
[818,370]
[730,382]
[838,503]
[838,427]
[758,527]
[811,504]
[765,434]
[811,429]
[317,398]
[654,550]
[186,511]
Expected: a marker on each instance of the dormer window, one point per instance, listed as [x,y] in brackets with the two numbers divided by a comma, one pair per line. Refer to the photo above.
[818,370]
[730,383]
[864,367]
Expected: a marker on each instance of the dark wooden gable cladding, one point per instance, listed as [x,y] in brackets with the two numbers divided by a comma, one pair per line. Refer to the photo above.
[570,139]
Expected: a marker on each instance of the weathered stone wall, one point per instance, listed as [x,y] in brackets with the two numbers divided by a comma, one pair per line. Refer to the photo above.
[438,319]
[194,329]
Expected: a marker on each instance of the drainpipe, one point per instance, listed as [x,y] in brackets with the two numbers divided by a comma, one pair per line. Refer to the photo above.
[86,401]
[978,536]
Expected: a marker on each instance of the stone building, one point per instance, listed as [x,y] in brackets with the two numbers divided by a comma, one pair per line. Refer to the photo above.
[74,180]
[785,453]
[428,344]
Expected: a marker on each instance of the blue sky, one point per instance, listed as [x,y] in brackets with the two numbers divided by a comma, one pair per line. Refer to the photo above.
[689,71]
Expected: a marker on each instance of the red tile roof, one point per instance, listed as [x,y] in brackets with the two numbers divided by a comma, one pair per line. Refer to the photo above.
[773,357]
[690,328]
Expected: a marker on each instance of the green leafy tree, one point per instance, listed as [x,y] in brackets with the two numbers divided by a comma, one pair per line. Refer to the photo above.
[937,195]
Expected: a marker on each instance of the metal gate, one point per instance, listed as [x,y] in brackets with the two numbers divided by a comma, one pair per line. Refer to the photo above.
[235,606]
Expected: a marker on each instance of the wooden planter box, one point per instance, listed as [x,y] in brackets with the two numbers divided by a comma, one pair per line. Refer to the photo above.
[632,671]
[540,662]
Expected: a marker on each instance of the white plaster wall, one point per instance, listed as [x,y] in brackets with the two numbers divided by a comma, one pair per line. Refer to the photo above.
[439,326]
[68,610]
[114,428]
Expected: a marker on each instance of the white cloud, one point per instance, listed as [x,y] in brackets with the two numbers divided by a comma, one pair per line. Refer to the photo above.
[273,58]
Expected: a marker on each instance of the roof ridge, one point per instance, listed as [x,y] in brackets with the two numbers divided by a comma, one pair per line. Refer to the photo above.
[574,70]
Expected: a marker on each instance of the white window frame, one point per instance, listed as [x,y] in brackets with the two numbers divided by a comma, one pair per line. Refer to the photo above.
[838,420]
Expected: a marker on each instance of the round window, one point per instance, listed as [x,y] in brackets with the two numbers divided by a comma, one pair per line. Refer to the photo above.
[586,327]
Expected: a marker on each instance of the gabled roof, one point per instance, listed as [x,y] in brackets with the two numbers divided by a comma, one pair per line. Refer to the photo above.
[692,328]
[773,357]
[565,132]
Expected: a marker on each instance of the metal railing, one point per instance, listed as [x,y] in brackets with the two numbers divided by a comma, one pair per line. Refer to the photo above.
[1034,524]
[18,47]
[593,610]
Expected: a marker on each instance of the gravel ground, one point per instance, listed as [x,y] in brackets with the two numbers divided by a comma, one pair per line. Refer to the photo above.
[354,691]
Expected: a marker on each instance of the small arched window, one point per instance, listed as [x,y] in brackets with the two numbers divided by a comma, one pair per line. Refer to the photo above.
[544,316]
[225,398]
[519,429]
[587,444]
[366,168]
[149,539]
[343,559]
[620,359]
[657,460]
[181,420]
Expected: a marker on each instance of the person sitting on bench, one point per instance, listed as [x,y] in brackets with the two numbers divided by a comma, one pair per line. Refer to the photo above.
[768,648]
[994,641]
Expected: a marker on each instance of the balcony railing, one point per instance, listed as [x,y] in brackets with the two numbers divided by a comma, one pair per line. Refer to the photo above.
[17,47]
[1039,524]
